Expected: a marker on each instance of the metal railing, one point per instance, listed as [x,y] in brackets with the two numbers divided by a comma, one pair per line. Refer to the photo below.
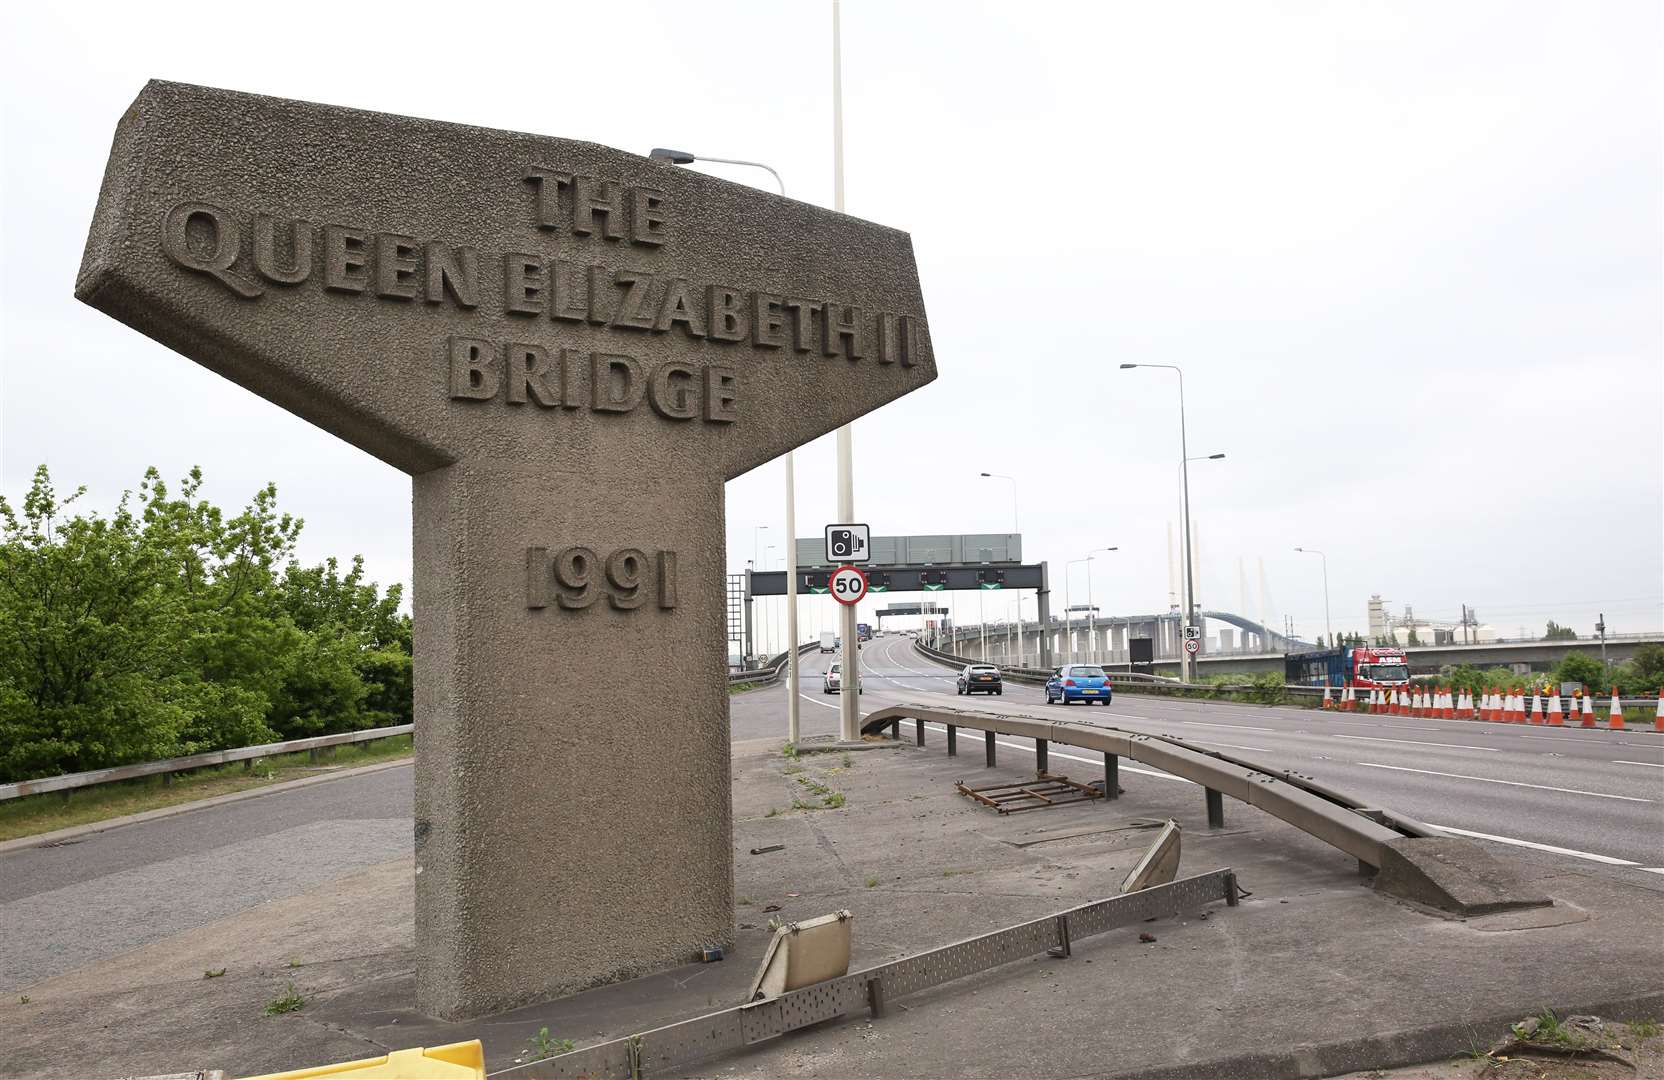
[771,670]
[1362,830]
[72,781]
[674,1047]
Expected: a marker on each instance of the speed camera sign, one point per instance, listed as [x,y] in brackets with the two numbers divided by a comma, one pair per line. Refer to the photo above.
[849,585]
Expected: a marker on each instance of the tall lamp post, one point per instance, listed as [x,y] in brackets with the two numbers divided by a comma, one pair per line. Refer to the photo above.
[1092,612]
[683,157]
[1015,530]
[1068,609]
[1328,628]
[1187,661]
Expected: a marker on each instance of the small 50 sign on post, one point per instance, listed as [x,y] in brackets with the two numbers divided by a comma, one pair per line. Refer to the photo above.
[849,585]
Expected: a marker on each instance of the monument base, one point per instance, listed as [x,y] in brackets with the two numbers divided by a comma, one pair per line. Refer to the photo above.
[572,806]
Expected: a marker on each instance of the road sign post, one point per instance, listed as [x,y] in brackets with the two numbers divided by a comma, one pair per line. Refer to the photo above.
[569,348]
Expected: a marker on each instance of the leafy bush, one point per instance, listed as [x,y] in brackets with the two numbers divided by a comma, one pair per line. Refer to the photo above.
[171,628]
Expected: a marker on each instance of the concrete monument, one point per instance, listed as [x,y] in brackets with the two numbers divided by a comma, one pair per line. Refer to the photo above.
[570,348]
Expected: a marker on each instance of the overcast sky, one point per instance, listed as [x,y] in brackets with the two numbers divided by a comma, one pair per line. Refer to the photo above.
[1408,255]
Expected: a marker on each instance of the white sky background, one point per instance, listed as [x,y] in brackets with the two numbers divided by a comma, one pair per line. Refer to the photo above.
[1407,253]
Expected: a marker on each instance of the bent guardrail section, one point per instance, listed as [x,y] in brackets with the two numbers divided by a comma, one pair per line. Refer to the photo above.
[1416,862]
[676,1046]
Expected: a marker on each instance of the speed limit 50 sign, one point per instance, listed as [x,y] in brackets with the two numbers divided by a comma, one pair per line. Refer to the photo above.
[848,585]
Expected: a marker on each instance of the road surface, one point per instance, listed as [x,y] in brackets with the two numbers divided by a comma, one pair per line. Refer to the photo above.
[1591,798]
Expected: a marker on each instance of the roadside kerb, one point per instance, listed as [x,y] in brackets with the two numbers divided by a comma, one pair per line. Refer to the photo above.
[73,781]
[75,832]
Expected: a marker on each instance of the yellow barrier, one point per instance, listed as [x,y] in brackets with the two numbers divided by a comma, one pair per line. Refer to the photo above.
[458,1061]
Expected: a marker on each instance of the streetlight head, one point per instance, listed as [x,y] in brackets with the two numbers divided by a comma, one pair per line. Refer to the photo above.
[1216,457]
[1299,549]
[675,157]
[1123,366]
[987,474]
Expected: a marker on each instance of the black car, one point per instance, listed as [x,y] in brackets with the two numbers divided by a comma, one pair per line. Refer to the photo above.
[980,679]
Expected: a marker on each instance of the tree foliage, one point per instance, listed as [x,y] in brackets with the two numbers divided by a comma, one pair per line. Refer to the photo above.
[170,628]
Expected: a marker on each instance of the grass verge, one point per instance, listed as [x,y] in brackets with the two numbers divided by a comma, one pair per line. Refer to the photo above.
[34,814]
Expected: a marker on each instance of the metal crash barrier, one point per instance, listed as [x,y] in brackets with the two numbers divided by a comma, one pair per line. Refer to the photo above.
[675,1046]
[1338,820]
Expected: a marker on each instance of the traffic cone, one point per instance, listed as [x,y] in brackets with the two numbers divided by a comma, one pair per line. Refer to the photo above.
[1349,698]
[1328,700]
[1615,718]
[1554,716]
[1536,707]
[1464,707]
[1517,707]
[1392,702]
[1491,711]
[1587,708]
[1658,714]
[1447,705]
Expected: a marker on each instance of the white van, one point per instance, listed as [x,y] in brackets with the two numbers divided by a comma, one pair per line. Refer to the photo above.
[828,641]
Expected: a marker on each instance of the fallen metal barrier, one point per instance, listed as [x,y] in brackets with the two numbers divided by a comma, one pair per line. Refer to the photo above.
[1287,796]
[1415,862]
[675,1046]
[71,781]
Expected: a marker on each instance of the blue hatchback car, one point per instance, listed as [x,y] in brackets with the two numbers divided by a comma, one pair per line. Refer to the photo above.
[1079,682]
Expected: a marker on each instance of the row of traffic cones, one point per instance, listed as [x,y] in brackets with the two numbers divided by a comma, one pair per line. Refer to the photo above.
[1494,704]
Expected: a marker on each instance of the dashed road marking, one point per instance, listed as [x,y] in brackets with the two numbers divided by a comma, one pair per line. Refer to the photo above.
[1414,742]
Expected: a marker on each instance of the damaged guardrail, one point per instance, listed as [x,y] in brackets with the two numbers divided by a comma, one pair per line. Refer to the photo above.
[1413,861]
[675,1046]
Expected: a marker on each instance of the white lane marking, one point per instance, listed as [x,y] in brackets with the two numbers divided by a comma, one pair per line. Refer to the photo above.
[1648,764]
[1510,783]
[1202,723]
[1413,742]
[1651,869]
[1232,746]
[1074,757]
[1573,852]
[812,701]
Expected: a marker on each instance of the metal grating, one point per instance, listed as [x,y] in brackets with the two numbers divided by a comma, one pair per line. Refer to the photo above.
[674,1046]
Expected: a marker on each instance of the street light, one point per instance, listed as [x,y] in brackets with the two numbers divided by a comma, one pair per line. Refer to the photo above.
[1186,659]
[1014,530]
[1092,612]
[1327,627]
[684,157]
[1068,610]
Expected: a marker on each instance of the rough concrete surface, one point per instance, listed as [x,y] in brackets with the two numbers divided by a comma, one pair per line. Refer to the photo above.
[1314,974]
[570,348]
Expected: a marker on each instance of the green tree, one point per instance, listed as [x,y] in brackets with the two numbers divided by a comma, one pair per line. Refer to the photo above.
[1580,667]
[1556,632]
[169,628]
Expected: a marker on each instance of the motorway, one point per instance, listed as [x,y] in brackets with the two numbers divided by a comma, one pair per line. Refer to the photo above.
[1587,799]
[1595,798]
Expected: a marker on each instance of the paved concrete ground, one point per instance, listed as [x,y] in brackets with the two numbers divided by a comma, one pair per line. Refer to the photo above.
[1313,975]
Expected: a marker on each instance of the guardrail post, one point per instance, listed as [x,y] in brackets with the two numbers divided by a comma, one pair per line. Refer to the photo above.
[1112,776]
[1231,890]
[988,740]
[1040,761]
[895,729]
[875,997]
[918,731]
[1216,809]
[953,741]
[1061,949]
